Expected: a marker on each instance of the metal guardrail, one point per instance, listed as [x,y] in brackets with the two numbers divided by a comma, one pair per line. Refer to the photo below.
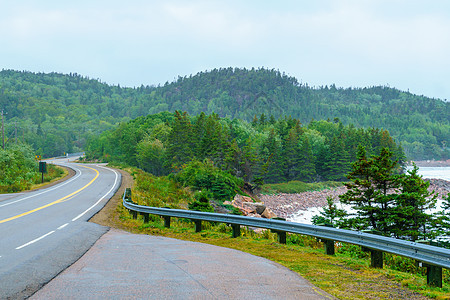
[431,255]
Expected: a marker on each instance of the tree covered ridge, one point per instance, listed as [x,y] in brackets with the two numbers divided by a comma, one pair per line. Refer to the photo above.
[56,113]
[265,150]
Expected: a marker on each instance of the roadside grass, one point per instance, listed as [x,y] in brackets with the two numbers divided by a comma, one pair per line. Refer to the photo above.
[54,173]
[293,187]
[346,275]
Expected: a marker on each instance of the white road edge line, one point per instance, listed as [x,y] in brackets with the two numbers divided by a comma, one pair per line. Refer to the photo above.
[114,185]
[62,226]
[35,240]
[45,191]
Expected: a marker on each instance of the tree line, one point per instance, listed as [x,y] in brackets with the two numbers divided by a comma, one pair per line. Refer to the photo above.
[265,150]
[58,113]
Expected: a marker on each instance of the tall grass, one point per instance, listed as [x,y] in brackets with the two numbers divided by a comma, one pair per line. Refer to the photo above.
[156,191]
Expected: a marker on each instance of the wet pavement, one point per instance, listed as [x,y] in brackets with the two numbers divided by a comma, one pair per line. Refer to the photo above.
[122,265]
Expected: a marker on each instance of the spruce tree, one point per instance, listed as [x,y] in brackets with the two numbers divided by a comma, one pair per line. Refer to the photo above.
[409,216]
[180,142]
[370,181]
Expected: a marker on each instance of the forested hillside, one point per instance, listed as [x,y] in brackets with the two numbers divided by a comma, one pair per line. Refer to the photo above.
[270,151]
[57,113]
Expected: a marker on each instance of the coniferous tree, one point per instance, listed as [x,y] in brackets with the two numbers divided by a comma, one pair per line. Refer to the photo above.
[307,169]
[330,214]
[409,217]
[370,181]
[180,142]
[274,157]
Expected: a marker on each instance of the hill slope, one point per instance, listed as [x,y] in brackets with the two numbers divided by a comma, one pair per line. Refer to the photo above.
[56,113]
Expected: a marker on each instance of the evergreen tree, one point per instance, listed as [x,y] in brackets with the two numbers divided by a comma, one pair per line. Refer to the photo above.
[307,169]
[272,154]
[330,214]
[443,218]
[408,217]
[180,142]
[370,181]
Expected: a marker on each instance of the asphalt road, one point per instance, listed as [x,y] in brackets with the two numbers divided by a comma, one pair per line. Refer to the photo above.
[44,231]
[122,265]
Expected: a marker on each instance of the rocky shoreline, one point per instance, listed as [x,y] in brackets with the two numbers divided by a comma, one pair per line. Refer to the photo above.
[286,205]
[433,163]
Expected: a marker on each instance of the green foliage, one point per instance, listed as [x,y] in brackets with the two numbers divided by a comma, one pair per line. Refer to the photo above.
[155,191]
[330,215]
[18,169]
[201,202]
[205,176]
[409,212]
[352,250]
[442,223]
[207,152]
[370,181]
[58,113]
[394,204]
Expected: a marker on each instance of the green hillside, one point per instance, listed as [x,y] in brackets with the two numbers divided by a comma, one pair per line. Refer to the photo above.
[57,113]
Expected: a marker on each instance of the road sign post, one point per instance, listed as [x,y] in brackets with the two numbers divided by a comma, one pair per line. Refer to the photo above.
[42,169]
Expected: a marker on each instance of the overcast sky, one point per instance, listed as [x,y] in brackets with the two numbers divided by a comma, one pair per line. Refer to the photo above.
[400,43]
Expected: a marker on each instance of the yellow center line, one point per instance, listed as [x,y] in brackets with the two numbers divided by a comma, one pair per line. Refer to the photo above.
[54,202]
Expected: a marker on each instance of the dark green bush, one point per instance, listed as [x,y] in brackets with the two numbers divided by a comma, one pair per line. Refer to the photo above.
[201,202]
[205,176]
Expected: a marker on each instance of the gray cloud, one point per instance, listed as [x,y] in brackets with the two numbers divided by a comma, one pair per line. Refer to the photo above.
[349,43]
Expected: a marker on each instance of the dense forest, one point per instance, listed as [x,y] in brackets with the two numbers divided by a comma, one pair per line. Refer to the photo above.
[265,150]
[57,113]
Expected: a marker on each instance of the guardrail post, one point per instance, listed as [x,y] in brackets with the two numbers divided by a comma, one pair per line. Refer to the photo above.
[434,273]
[146,217]
[167,221]
[236,230]
[376,259]
[376,256]
[281,237]
[198,225]
[281,234]
[134,214]
[328,244]
[434,276]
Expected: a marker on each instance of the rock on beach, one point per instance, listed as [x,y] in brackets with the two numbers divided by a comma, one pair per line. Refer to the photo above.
[286,205]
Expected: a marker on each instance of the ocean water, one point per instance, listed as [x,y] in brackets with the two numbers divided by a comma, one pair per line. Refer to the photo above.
[438,173]
[305,216]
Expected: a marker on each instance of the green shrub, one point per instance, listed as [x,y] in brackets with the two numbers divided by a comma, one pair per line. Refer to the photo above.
[201,202]
[352,250]
[205,176]
[18,168]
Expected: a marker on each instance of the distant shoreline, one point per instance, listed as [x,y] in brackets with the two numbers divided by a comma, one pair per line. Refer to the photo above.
[432,163]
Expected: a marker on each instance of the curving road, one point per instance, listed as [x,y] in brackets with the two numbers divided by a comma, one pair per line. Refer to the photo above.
[45,231]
